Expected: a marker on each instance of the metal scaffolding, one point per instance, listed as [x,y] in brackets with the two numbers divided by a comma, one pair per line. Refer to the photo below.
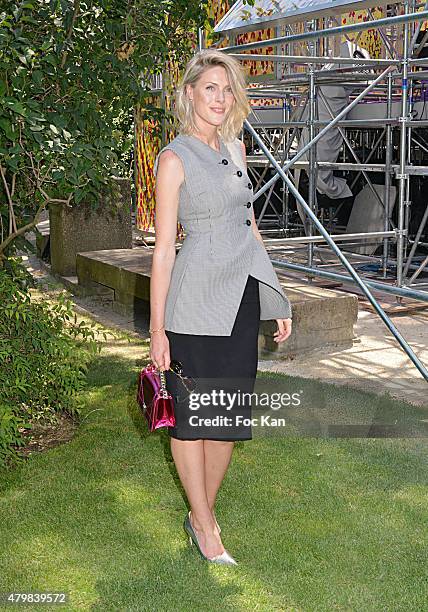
[391,130]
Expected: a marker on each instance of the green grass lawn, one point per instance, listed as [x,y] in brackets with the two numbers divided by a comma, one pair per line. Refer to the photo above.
[315,523]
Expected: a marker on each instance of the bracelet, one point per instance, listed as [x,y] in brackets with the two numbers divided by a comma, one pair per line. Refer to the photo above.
[156,330]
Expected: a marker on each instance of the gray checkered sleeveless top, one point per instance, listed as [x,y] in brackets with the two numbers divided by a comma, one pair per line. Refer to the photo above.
[220,249]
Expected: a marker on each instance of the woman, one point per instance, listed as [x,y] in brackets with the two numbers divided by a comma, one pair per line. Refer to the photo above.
[207,302]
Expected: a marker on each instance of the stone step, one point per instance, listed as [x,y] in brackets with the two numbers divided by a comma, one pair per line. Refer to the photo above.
[321,317]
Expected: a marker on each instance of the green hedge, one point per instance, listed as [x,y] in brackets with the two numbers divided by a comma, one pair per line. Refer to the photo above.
[44,356]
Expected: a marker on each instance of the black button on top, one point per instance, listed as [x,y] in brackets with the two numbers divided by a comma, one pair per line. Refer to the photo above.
[239,173]
[250,185]
[248,222]
[248,204]
[224,161]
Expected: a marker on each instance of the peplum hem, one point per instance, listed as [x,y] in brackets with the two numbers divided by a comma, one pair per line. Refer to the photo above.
[207,320]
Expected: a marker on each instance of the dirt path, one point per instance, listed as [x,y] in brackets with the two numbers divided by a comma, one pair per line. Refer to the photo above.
[375,362]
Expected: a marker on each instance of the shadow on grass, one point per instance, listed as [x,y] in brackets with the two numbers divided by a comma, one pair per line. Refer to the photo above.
[114,370]
[336,411]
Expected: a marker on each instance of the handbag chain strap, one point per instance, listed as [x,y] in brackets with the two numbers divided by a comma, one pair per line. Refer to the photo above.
[164,390]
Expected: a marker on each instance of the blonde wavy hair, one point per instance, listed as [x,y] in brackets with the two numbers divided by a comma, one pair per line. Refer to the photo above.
[201,61]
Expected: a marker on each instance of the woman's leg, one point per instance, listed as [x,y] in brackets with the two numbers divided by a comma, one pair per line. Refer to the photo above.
[217,458]
[189,459]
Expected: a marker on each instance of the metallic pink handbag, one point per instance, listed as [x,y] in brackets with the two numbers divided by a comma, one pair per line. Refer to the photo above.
[154,399]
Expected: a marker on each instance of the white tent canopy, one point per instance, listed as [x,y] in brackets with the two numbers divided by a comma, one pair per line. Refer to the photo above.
[268,13]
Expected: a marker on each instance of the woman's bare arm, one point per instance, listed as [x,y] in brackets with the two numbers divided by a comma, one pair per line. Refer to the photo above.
[170,175]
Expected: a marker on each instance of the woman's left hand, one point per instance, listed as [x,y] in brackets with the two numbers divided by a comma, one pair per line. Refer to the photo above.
[284,330]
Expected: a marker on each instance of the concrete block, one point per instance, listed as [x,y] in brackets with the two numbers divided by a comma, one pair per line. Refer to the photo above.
[81,228]
[321,317]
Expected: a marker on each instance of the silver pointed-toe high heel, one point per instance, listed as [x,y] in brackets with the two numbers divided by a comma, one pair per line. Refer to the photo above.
[224,559]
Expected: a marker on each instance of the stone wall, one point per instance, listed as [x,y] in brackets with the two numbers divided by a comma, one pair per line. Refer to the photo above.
[81,228]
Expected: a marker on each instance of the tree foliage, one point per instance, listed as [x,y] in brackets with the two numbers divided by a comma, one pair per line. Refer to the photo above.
[71,73]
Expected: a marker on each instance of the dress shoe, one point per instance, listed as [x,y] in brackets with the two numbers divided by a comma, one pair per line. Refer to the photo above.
[224,559]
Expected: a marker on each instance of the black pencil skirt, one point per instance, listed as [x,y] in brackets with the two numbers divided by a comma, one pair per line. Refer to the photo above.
[222,368]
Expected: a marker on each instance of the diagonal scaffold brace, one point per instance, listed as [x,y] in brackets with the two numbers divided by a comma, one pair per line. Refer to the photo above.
[281,172]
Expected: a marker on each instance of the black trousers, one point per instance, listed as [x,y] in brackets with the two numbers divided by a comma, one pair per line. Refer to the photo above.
[216,363]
